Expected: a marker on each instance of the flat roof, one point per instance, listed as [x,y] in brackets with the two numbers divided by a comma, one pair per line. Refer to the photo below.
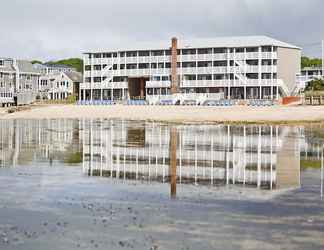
[218,42]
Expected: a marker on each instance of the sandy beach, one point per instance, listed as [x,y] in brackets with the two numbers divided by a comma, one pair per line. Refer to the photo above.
[276,114]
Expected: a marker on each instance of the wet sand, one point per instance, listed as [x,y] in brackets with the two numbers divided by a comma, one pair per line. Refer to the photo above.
[60,208]
[278,114]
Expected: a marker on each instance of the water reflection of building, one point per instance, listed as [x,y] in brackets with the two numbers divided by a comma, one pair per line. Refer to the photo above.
[22,141]
[259,156]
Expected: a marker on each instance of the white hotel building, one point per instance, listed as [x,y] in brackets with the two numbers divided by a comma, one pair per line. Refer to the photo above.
[251,67]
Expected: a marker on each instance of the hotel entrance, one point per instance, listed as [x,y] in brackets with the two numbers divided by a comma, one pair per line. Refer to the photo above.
[136,88]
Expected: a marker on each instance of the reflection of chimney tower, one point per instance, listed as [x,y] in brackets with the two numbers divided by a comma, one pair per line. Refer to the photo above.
[174,76]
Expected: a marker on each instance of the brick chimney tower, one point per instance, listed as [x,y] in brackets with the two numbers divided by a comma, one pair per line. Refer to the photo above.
[174,75]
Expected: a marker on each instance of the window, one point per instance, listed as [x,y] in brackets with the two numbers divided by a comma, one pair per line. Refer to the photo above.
[97,67]
[131,53]
[168,65]
[165,78]
[157,53]
[122,66]
[219,77]
[144,66]
[190,77]
[97,79]
[188,64]
[153,65]
[115,67]
[205,51]
[122,54]
[252,62]
[266,75]
[131,66]
[120,79]
[252,49]
[97,55]
[144,53]
[266,48]
[205,64]
[115,54]
[252,76]
[239,50]
[219,50]
[188,51]
[168,52]
[88,79]
[106,55]
[266,62]
[1,63]
[161,65]
[220,63]
[156,78]
[204,77]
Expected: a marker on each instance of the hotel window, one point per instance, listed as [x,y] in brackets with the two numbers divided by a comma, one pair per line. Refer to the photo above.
[131,53]
[239,50]
[97,79]
[274,62]
[107,55]
[266,48]
[161,65]
[153,65]
[157,53]
[188,51]
[205,51]
[219,50]
[1,63]
[205,64]
[190,77]
[97,55]
[266,62]
[156,78]
[144,53]
[165,78]
[131,66]
[88,79]
[97,67]
[115,54]
[252,62]
[252,76]
[122,66]
[167,52]
[115,67]
[219,77]
[188,64]
[122,54]
[204,77]
[168,65]
[274,76]
[266,75]
[220,63]
[252,49]
[144,66]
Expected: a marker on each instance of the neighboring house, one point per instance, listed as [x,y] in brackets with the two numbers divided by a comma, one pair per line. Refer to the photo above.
[47,69]
[18,82]
[306,75]
[59,86]
[248,67]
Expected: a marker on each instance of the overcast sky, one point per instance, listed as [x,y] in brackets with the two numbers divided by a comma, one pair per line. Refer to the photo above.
[54,29]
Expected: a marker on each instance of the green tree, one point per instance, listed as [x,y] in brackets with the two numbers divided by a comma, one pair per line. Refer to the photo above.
[310,62]
[76,63]
[315,85]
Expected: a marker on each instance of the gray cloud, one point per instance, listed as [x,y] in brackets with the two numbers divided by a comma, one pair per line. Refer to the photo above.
[48,29]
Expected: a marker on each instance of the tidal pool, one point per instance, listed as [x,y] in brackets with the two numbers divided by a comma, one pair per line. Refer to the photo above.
[118,184]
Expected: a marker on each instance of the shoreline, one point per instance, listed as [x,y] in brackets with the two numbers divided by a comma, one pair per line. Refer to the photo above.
[284,115]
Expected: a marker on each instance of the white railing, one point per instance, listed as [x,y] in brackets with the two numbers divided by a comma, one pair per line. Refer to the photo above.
[158,84]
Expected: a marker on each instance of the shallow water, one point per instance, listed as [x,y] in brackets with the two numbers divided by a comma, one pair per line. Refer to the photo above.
[241,185]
